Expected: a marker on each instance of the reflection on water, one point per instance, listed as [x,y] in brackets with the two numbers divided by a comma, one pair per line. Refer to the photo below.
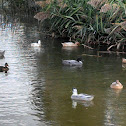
[84,103]
[37,88]
[114,112]
[70,49]
[123,66]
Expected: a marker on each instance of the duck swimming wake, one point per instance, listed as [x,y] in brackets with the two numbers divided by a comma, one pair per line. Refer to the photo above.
[85,97]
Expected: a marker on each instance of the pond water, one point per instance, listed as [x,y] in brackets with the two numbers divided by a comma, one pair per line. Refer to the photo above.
[37,89]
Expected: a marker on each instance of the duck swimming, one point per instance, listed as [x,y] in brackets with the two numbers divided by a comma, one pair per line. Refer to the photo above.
[70,44]
[85,97]
[116,85]
[123,60]
[77,62]
[4,68]
[36,44]
[82,102]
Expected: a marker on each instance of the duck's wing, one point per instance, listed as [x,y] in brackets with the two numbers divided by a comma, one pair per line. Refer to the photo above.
[34,44]
[86,95]
[76,63]
[67,43]
[66,62]
[69,62]
[114,83]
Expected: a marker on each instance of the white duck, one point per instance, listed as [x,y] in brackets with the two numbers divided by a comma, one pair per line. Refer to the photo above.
[36,44]
[84,97]
[77,62]
[66,44]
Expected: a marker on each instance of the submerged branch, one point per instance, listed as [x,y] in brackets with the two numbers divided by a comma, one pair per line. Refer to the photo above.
[87,46]
[91,55]
[108,49]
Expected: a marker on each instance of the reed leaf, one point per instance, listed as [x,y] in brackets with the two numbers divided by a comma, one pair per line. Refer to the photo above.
[97,22]
[113,30]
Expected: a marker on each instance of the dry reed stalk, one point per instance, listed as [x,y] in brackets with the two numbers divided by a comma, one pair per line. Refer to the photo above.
[79,27]
[96,3]
[62,5]
[48,1]
[41,16]
[105,8]
[123,25]
[41,3]
[115,7]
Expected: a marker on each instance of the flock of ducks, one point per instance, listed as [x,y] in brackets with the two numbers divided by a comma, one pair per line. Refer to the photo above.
[78,62]
[85,97]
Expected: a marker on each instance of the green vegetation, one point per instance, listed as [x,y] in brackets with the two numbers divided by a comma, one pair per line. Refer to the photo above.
[89,21]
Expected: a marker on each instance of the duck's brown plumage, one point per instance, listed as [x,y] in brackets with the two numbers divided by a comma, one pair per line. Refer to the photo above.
[4,68]
[123,60]
[68,44]
[116,85]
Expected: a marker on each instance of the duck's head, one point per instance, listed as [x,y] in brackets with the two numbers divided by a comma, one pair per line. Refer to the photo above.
[79,59]
[117,81]
[74,91]
[6,64]
[77,43]
[39,41]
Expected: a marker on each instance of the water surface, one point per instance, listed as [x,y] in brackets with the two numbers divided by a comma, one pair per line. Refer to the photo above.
[36,91]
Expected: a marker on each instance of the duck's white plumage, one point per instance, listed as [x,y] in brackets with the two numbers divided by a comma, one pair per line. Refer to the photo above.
[85,97]
[77,62]
[36,44]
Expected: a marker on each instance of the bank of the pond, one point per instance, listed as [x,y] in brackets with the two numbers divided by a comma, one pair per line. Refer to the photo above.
[91,22]
[96,24]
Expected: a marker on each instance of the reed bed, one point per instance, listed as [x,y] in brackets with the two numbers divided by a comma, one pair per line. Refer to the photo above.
[91,22]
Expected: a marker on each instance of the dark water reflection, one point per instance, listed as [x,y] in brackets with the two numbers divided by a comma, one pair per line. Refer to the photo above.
[36,91]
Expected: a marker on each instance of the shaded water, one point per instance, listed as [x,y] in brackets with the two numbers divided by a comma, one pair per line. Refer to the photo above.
[36,91]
